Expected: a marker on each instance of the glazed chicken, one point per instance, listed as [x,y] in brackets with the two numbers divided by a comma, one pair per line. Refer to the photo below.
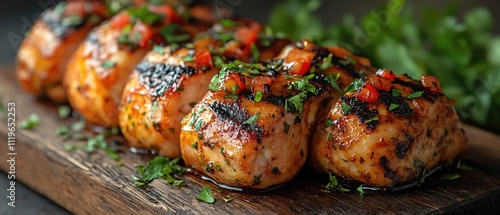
[252,128]
[387,130]
[43,55]
[170,80]
[101,66]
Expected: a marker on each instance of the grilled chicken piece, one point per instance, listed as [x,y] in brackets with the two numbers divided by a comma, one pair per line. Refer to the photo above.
[101,66]
[253,126]
[388,131]
[43,55]
[166,85]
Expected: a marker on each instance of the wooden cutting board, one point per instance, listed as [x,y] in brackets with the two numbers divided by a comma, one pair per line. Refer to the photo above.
[94,184]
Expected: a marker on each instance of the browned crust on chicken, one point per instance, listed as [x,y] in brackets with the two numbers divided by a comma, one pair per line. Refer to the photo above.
[410,128]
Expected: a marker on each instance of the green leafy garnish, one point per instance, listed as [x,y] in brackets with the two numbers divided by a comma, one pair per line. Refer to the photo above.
[31,122]
[160,167]
[143,14]
[450,177]
[64,111]
[372,119]
[354,86]
[463,166]
[360,190]
[258,97]
[335,185]
[345,108]
[332,79]
[396,92]
[393,106]
[227,23]
[206,195]
[251,120]
[286,127]
[72,20]
[159,49]
[295,103]
[255,53]
[108,64]
[328,122]
[169,34]
[415,95]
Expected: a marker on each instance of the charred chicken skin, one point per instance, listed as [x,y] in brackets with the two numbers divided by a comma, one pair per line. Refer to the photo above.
[101,66]
[170,80]
[252,128]
[43,55]
[387,130]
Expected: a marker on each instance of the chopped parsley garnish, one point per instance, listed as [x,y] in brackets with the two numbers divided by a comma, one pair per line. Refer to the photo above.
[31,122]
[64,111]
[159,49]
[372,119]
[108,64]
[304,84]
[332,79]
[143,14]
[238,66]
[206,195]
[231,96]
[198,125]
[296,103]
[335,185]
[217,60]
[326,62]
[360,190]
[225,37]
[62,131]
[287,127]
[328,122]
[463,166]
[255,53]
[415,95]
[168,34]
[345,108]
[258,97]
[227,23]
[450,177]
[195,145]
[354,86]
[160,167]
[78,126]
[72,20]
[393,106]
[188,58]
[396,92]
[252,119]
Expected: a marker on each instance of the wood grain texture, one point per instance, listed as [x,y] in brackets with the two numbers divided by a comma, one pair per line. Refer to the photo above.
[93,184]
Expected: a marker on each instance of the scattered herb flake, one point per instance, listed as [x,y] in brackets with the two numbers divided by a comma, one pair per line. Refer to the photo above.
[335,185]
[372,119]
[64,111]
[396,92]
[159,167]
[393,106]
[360,190]
[354,86]
[332,79]
[108,64]
[345,108]
[206,195]
[286,126]
[258,97]
[159,49]
[78,126]
[227,23]
[252,119]
[463,166]
[415,95]
[450,177]
[328,122]
[31,122]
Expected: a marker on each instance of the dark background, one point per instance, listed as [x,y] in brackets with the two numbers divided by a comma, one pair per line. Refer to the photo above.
[17,15]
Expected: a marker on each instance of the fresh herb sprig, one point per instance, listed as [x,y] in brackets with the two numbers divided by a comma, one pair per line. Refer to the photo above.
[160,167]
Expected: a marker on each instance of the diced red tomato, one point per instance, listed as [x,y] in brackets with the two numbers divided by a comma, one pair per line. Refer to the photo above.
[145,32]
[170,14]
[368,94]
[120,20]
[301,60]
[384,73]
[203,58]
[234,83]
[246,35]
